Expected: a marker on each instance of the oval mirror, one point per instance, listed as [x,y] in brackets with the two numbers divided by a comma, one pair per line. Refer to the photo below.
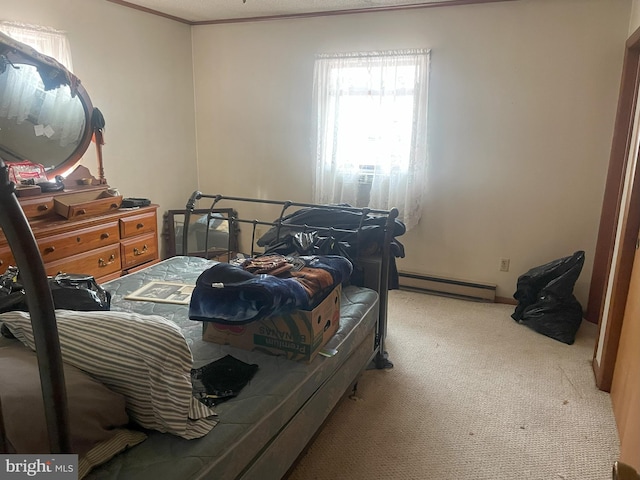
[45,113]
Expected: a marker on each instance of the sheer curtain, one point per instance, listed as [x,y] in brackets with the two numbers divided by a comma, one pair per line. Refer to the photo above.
[22,94]
[46,40]
[371,130]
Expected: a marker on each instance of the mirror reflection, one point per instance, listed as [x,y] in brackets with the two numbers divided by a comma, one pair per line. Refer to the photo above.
[43,126]
[210,234]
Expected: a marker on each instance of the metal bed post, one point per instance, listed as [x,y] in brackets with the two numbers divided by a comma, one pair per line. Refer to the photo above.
[43,320]
[191,204]
[382,360]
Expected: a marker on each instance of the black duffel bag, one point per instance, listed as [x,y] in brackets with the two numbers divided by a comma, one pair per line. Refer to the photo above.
[69,291]
[73,291]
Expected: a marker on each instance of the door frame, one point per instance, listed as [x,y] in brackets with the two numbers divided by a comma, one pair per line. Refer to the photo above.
[614,207]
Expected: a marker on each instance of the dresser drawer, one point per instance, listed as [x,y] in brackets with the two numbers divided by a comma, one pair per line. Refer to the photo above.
[6,258]
[63,245]
[86,204]
[138,224]
[99,263]
[139,250]
[37,207]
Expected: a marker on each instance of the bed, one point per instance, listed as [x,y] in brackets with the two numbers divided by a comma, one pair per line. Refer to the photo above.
[259,433]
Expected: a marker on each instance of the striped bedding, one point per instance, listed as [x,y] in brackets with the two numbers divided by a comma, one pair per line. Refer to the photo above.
[144,357]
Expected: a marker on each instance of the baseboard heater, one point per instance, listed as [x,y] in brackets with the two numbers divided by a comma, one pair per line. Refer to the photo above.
[480,292]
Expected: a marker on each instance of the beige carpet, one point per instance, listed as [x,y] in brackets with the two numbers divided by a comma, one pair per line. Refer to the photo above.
[473,395]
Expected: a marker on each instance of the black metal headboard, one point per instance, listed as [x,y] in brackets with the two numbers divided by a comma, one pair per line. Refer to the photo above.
[378,263]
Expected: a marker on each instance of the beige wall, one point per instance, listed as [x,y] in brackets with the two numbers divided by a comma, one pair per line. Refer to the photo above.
[137,69]
[522,103]
[634,23]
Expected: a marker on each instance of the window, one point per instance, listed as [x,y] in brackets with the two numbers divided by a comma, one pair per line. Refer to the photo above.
[45,40]
[371,130]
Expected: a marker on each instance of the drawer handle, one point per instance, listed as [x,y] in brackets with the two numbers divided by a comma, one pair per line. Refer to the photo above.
[105,235]
[1,262]
[140,252]
[43,208]
[82,211]
[114,205]
[102,263]
[140,225]
[50,249]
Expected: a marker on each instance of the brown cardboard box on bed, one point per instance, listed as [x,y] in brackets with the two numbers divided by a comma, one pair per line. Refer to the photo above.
[298,335]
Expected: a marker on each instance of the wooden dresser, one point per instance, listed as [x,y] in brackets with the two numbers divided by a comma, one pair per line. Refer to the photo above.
[105,245]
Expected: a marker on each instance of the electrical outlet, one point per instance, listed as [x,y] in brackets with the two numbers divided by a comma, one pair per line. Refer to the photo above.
[504,264]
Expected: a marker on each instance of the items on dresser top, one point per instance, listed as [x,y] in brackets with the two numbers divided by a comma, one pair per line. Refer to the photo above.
[26,172]
[131,202]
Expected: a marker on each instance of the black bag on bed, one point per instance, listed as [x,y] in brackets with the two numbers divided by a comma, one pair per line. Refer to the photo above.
[78,292]
[69,291]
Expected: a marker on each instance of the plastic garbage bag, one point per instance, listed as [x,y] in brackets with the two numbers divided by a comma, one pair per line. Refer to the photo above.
[545,297]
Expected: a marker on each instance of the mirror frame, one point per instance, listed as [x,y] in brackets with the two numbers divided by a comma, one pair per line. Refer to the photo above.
[19,53]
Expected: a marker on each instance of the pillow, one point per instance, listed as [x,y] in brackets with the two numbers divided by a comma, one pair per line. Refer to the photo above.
[144,357]
[96,414]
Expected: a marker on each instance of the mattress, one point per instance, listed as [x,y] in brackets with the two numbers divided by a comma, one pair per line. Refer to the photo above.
[250,423]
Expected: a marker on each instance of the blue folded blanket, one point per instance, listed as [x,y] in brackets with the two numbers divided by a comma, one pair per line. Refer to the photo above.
[228,294]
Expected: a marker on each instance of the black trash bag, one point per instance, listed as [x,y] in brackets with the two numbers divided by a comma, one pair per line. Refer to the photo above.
[69,292]
[78,292]
[545,297]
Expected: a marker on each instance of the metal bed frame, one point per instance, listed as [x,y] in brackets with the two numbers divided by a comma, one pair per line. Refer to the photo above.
[43,320]
[41,308]
[380,357]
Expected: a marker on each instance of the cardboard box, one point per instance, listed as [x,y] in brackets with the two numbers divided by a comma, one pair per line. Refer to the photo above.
[298,335]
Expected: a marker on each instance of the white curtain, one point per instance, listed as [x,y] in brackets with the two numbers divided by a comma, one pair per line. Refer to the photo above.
[54,113]
[371,130]
[45,40]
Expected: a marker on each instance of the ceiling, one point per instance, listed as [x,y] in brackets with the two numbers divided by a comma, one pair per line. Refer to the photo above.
[223,11]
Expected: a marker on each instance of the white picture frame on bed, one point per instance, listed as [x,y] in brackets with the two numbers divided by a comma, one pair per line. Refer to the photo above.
[163,292]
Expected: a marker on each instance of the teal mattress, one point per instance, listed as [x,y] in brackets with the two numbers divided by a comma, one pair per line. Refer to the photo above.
[263,429]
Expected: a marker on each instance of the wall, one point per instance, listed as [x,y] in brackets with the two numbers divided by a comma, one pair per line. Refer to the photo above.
[137,69]
[634,23]
[522,104]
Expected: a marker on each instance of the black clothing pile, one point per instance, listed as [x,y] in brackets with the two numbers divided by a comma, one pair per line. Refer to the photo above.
[221,380]
[344,232]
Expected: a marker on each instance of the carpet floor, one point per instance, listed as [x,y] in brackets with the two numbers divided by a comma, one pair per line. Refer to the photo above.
[472,395]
